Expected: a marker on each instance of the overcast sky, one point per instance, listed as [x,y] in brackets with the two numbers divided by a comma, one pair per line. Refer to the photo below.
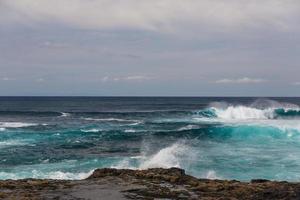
[150,47]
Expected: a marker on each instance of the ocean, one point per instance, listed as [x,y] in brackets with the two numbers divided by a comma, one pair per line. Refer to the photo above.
[216,137]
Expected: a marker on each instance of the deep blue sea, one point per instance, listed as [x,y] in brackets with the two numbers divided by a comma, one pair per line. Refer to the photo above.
[217,138]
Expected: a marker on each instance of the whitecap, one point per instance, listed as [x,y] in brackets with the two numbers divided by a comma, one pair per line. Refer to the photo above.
[261,109]
[15,124]
[188,127]
[93,130]
[130,131]
[63,114]
[243,113]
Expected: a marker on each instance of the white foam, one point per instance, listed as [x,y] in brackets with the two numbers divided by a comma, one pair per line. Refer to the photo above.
[93,130]
[12,143]
[15,124]
[211,174]
[67,175]
[188,127]
[111,119]
[260,109]
[267,103]
[7,175]
[124,164]
[171,156]
[130,131]
[286,126]
[166,158]
[243,113]
[135,123]
[63,114]
[2,129]
[253,116]
[45,175]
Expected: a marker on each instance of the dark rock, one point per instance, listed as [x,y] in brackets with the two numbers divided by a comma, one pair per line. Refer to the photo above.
[259,180]
[154,183]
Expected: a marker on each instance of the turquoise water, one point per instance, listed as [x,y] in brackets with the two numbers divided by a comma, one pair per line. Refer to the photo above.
[223,138]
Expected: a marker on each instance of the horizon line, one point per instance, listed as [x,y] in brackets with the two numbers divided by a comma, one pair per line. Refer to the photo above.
[145,96]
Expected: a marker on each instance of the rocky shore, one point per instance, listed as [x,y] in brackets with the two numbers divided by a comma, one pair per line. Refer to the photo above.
[155,183]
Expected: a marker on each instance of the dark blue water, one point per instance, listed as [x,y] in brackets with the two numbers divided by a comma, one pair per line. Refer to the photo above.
[225,138]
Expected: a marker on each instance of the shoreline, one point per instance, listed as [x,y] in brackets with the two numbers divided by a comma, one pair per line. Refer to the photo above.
[173,183]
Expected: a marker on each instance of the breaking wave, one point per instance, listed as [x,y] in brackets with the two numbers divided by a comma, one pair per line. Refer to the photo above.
[166,158]
[253,111]
[170,156]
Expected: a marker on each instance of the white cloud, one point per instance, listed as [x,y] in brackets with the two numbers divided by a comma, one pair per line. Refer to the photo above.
[40,80]
[7,79]
[50,44]
[241,80]
[138,78]
[126,78]
[156,14]
[295,83]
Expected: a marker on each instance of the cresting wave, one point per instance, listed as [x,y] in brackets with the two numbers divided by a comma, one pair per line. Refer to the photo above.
[262,115]
[249,113]
[166,157]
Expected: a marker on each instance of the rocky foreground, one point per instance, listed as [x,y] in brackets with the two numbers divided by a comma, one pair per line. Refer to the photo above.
[146,184]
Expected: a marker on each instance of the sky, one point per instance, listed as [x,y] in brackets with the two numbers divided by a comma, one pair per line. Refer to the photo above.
[150,48]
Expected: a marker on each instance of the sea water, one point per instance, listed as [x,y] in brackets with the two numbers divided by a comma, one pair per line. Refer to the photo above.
[216,138]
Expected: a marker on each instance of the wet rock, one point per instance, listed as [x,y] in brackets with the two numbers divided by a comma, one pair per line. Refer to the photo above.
[154,183]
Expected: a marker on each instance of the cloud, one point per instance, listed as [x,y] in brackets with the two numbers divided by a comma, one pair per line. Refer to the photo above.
[40,80]
[244,80]
[7,79]
[155,14]
[50,44]
[126,78]
[138,78]
[105,79]
[296,83]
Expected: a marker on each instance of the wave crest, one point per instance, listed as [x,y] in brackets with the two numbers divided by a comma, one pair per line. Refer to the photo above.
[267,109]
[243,113]
[166,158]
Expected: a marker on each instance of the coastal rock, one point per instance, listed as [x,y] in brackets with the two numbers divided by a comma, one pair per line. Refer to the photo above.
[154,183]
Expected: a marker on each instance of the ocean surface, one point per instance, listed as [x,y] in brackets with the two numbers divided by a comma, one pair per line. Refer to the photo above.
[217,138]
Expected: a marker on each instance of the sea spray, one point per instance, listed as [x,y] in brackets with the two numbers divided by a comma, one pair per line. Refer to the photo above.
[167,157]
